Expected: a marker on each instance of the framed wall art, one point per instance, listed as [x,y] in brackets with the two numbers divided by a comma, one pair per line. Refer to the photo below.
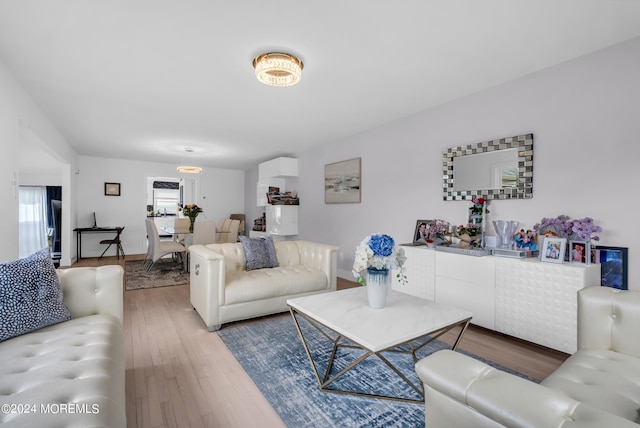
[613,266]
[342,182]
[553,249]
[580,252]
[112,189]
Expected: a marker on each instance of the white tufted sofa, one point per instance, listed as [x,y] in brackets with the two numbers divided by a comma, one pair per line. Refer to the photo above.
[597,387]
[222,290]
[70,374]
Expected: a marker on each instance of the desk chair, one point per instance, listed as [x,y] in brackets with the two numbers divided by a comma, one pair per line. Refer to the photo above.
[156,248]
[115,241]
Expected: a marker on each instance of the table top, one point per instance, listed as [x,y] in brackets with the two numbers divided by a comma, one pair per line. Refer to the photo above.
[98,229]
[405,317]
[174,231]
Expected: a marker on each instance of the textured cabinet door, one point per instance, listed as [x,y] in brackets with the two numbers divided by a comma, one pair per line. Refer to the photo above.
[420,271]
[537,301]
[467,282]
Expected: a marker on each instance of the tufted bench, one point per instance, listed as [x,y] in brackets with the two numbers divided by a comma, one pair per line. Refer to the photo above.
[597,387]
[70,374]
[223,290]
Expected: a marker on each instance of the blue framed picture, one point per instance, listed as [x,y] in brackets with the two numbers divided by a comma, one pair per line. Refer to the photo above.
[613,266]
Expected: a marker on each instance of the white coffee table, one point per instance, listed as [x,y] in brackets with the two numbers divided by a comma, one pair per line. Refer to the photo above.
[404,320]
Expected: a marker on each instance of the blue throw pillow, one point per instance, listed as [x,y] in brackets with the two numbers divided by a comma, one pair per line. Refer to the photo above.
[259,252]
[30,295]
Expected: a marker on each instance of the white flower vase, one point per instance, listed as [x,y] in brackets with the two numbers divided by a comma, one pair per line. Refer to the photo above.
[377,282]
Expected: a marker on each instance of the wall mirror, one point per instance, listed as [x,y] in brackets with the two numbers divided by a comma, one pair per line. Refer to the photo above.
[497,169]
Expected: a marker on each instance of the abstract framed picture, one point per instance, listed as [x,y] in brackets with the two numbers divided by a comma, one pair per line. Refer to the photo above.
[580,252]
[421,232]
[614,270]
[112,189]
[342,182]
[553,249]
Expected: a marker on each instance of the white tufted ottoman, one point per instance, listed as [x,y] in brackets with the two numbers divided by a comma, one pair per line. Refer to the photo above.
[70,374]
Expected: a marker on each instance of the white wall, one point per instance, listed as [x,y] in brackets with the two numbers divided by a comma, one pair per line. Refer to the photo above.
[220,192]
[584,117]
[21,118]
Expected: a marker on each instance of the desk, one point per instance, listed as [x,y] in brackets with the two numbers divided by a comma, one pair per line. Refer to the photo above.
[81,230]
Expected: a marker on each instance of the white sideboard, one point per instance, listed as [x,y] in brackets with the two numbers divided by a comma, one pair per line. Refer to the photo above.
[419,268]
[525,298]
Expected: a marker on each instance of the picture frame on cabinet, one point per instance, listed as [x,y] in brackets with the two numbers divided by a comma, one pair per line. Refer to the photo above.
[580,252]
[614,270]
[553,249]
[421,232]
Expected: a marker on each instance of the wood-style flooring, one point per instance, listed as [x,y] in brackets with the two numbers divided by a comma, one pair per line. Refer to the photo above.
[180,375]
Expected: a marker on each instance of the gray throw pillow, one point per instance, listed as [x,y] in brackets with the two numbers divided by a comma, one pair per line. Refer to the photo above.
[259,252]
[30,295]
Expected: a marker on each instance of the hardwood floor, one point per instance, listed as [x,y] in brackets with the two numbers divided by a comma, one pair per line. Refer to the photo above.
[180,375]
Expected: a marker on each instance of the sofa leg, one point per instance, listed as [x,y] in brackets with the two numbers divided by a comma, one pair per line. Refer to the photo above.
[215,327]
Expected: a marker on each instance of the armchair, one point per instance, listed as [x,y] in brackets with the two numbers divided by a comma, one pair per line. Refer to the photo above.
[598,386]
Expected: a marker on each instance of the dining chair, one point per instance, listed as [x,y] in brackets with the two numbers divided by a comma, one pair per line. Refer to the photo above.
[157,249]
[204,232]
[180,224]
[227,230]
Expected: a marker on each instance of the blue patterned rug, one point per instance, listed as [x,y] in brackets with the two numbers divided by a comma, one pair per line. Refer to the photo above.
[272,354]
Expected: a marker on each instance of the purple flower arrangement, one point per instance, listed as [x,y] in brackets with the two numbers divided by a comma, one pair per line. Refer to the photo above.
[563,227]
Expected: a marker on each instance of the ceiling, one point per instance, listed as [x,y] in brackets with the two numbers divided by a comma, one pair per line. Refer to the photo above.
[146,79]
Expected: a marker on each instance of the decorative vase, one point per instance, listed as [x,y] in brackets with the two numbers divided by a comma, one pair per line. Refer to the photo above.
[505,230]
[377,282]
[191,221]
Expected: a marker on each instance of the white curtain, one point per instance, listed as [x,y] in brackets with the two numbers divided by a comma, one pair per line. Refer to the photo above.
[32,220]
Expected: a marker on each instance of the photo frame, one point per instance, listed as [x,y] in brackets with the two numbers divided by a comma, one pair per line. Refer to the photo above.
[553,249]
[342,182]
[112,189]
[420,232]
[580,252]
[614,266]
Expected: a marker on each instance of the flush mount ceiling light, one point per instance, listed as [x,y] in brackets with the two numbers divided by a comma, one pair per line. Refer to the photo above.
[278,69]
[188,164]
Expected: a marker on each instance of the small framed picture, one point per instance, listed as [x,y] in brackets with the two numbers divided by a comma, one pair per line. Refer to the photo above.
[421,232]
[553,249]
[614,271]
[580,252]
[112,189]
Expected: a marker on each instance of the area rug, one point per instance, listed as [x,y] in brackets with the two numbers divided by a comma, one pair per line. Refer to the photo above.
[163,274]
[271,352]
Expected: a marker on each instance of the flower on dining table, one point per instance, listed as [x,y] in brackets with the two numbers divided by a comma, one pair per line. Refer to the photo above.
[191,210]
[378,251]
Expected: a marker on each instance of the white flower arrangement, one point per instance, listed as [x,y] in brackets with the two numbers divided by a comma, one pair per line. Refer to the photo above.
[379,252]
